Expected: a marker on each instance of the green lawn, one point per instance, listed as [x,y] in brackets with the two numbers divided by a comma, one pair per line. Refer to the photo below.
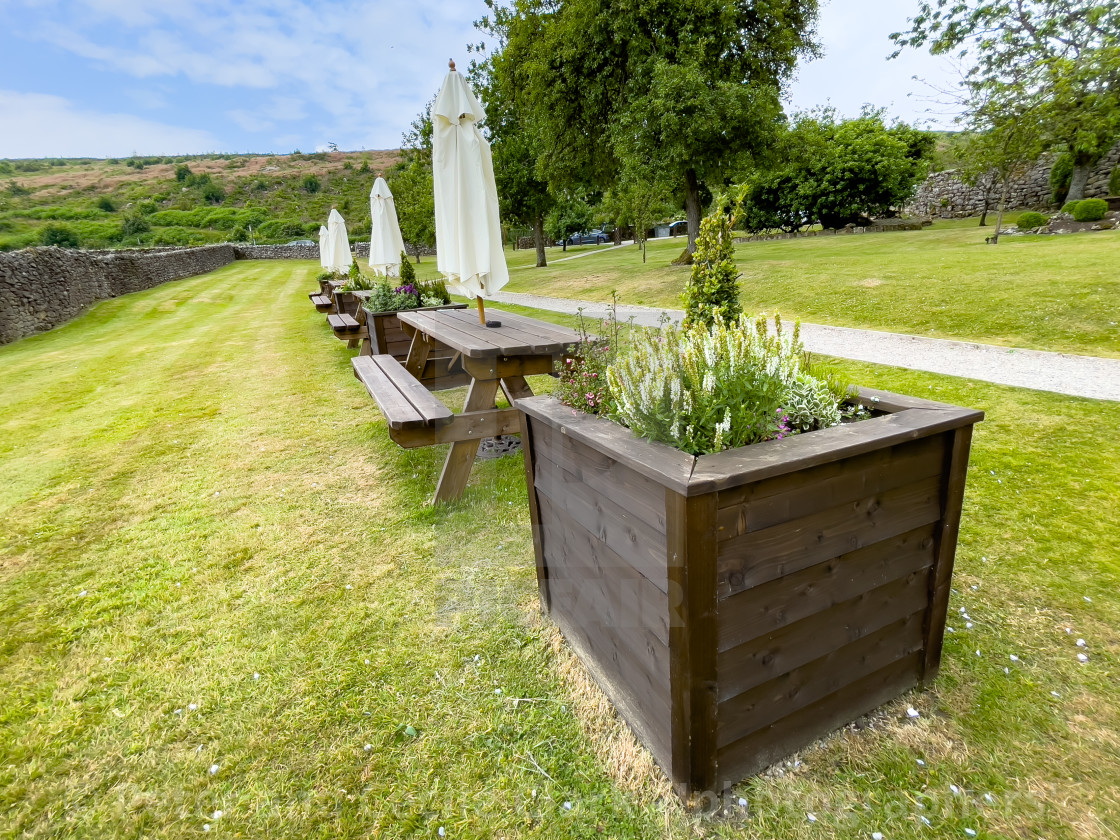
[1041,292]
[201,506]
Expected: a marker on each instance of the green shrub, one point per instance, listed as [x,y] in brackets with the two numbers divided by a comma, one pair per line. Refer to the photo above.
[1114,182]
[238,234]
[60,236]
[1090,210]
[705,390]
[1031,220]
[1069,207]
[133,224]
[310,184]
[105,203]
[1061,175]
[213,193]
[712,292]
[182,172]
[15,189]
[408,273]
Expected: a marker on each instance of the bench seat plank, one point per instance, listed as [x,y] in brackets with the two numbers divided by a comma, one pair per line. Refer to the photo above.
[405,403]
[343,323]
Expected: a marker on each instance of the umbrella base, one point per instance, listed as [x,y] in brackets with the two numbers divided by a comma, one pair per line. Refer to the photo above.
[498,447]
[493,324]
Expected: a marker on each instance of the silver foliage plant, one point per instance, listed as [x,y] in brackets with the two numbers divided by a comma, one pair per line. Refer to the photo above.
[705,391]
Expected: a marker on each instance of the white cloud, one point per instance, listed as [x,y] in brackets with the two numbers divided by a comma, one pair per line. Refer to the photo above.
[50,126]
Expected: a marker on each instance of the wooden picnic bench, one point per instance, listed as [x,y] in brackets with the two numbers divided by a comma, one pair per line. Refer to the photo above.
[324,298]
[484,358]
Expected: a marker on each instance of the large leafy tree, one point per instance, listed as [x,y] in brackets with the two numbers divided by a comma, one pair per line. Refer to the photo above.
[411,184]
[1060,59]
[689,87]
[837,172]
[524,196]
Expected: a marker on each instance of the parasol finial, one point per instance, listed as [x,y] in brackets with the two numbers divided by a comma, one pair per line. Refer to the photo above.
[451,64]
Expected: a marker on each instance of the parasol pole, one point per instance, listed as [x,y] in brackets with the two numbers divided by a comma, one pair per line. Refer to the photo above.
[481,310]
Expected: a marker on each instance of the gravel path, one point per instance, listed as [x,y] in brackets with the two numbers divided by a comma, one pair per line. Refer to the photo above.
[1079,376]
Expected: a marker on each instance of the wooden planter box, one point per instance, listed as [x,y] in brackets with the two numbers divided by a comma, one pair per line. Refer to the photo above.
[737,606]
[388,336]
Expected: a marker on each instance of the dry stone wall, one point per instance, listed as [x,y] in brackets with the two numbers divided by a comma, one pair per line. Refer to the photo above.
[41,288]
[944,195]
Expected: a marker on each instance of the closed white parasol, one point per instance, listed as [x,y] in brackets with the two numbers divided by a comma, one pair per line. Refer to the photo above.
[323,246]
[385,242]
[468,232]
[338,243]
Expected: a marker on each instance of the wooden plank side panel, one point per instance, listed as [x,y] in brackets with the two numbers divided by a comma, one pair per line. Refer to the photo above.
[607,522]
[646,715]
[767,657]
[941,577]
[761,556]
[757,751]
[773,605]
[624,597]
[757,708]
[529,431]
[776,500]
[644,498]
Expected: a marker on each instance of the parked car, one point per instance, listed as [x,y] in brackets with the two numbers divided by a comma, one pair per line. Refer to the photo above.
[302,242]
[591,237]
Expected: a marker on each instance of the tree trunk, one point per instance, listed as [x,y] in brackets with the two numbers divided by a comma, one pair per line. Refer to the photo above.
[643,252]
[1078,182]
[1002,207]
[538,240]
[987,204]
[692,207]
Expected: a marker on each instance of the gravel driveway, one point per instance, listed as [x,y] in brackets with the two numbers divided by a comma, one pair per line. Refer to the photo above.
[1080,376]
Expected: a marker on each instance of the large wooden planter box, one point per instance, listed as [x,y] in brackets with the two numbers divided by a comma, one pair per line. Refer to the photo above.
[388,336]
[737,606]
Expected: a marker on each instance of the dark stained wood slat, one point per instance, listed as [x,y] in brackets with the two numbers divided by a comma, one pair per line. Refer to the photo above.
[399,413]
[669,467]
[760,556]
[343,323]
[459,335]
[457,467]
[942,575]
[511,332]
[736,467]
[645,711]
[757,506]
[630,610]
[529,430]
[606,526]
[548,338]
[434,412]
[752,710]
[644,498]
[760,660]
[771,606]
[761,749]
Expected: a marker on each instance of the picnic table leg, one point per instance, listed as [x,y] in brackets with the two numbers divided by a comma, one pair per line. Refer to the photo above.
[418,353]
[457,467]
[515,388]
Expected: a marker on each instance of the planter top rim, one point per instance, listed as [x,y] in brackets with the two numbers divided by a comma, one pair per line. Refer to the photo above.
[416,309]
[905,418]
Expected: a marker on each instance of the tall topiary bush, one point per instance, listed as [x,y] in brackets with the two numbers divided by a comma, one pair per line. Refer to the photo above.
[712,293]
[408,273]
[1061,175]
[1114,182]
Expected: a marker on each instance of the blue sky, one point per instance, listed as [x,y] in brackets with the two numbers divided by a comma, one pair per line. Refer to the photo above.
[105,78]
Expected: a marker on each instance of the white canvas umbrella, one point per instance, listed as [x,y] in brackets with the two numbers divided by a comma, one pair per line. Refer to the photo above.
[468,233]
[323,245]
[385,242]
[338,243]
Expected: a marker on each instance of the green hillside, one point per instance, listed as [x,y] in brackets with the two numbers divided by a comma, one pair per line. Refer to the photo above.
[130,202]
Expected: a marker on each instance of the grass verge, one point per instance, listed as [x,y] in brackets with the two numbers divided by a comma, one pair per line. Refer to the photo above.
[201,507]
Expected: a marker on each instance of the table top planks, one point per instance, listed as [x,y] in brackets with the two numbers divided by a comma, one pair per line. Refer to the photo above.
[517,336]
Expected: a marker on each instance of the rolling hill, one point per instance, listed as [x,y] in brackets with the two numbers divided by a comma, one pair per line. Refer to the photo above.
[146,201]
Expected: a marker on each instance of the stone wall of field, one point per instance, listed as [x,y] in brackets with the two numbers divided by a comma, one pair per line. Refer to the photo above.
[41,288]
[944,195]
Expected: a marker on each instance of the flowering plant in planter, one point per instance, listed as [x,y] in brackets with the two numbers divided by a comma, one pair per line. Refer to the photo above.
[386,298]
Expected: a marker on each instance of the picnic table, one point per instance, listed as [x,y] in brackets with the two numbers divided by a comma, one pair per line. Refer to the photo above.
[483,358]
[324,298]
